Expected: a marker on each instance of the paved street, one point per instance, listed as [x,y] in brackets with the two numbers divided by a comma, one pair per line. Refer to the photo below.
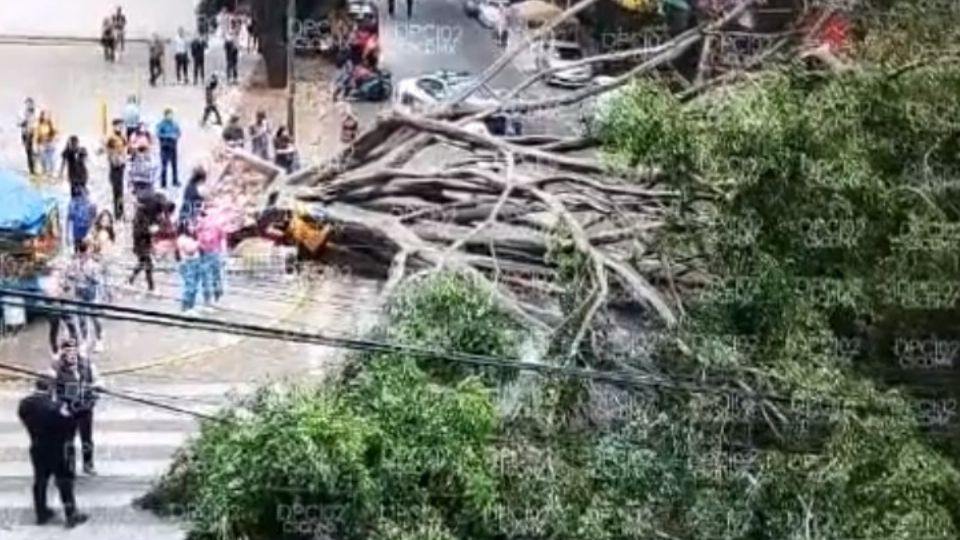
[54,18]
[188,368]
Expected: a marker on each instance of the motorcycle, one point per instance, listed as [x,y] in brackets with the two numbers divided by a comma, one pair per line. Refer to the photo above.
[378,87]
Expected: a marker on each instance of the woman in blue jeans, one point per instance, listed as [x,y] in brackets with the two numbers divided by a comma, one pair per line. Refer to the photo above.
[212,239]
[190,269]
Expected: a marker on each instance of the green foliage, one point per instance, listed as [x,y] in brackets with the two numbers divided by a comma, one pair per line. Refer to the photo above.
[819,197]
[450,312]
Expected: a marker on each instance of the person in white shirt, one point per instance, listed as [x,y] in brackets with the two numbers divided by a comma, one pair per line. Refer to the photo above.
[181,56]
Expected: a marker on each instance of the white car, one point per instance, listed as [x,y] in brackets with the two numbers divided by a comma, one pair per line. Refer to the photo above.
[554,54]
[490,11]
[434,88]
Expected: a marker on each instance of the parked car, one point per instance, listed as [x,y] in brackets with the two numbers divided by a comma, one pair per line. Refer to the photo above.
[490,11]
[434,88]
[555,54]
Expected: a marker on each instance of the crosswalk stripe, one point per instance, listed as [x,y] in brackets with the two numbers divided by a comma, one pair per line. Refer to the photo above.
[106,469]
[114,438]
[134,445]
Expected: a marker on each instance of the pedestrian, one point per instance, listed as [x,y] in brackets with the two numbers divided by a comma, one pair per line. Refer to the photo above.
[145,224]
[349,126]
[192,202]
[103,238]
[188,250]
[260,136]
[391,7]
[284,150]
[28,128]
[116,147]
[141,137]
[85,276]
[211,98]
[131,115]
[45,141]
[51,429]
[77,384]
[81,214]
[253,41]
[213,247]
[108,40]
[233,134]
[73,160]
[141,172]
[198,51]
[232,54]
[156,59]
[409,9]
[181,56]
[168,135]
[120,28]
[165,237]
[55,287]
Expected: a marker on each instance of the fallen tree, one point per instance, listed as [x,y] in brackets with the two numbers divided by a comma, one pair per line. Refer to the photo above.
[423,192]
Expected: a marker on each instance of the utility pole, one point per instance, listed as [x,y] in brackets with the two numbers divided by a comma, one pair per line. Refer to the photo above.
[291,84]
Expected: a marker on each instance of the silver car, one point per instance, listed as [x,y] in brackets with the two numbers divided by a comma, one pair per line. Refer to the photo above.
[554,54]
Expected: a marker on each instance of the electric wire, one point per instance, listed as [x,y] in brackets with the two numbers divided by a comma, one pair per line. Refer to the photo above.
[367,345]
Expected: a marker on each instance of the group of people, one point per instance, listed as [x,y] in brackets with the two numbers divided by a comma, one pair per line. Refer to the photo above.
[192,50]
[279,148]
[113,35]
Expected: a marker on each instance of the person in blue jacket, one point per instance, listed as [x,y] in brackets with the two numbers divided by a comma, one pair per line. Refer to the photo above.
[80,216]
[168,134]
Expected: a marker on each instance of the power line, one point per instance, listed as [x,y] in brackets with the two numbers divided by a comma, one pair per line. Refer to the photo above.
[367,345]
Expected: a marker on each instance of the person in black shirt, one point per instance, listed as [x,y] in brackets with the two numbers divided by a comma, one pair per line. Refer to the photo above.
[51,430]
[198,49]
[74,160]
[211,96]
[232,54]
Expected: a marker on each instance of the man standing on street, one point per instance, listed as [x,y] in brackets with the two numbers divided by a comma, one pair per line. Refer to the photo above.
[131,116]
[409,9]
[391,7]
[74,160]
[211,97]
[81,213]
[77,384]
[156,59]
[52,452]
[168,133]
[232,52]
[198,50]
[120,29]
[181,57]
[28,125]
[117,159]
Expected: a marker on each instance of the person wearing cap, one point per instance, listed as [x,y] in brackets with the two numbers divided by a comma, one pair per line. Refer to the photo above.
[51,430]
[77,384]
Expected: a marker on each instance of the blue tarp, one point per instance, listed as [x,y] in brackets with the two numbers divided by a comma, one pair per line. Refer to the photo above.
[23,209]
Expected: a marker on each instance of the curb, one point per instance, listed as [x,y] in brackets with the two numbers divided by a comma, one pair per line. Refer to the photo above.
[22,39]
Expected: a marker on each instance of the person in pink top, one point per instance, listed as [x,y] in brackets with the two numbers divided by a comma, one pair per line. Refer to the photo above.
[213,245]
[188,251]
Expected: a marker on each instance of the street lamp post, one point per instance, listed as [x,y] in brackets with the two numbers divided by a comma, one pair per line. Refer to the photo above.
[291,83]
